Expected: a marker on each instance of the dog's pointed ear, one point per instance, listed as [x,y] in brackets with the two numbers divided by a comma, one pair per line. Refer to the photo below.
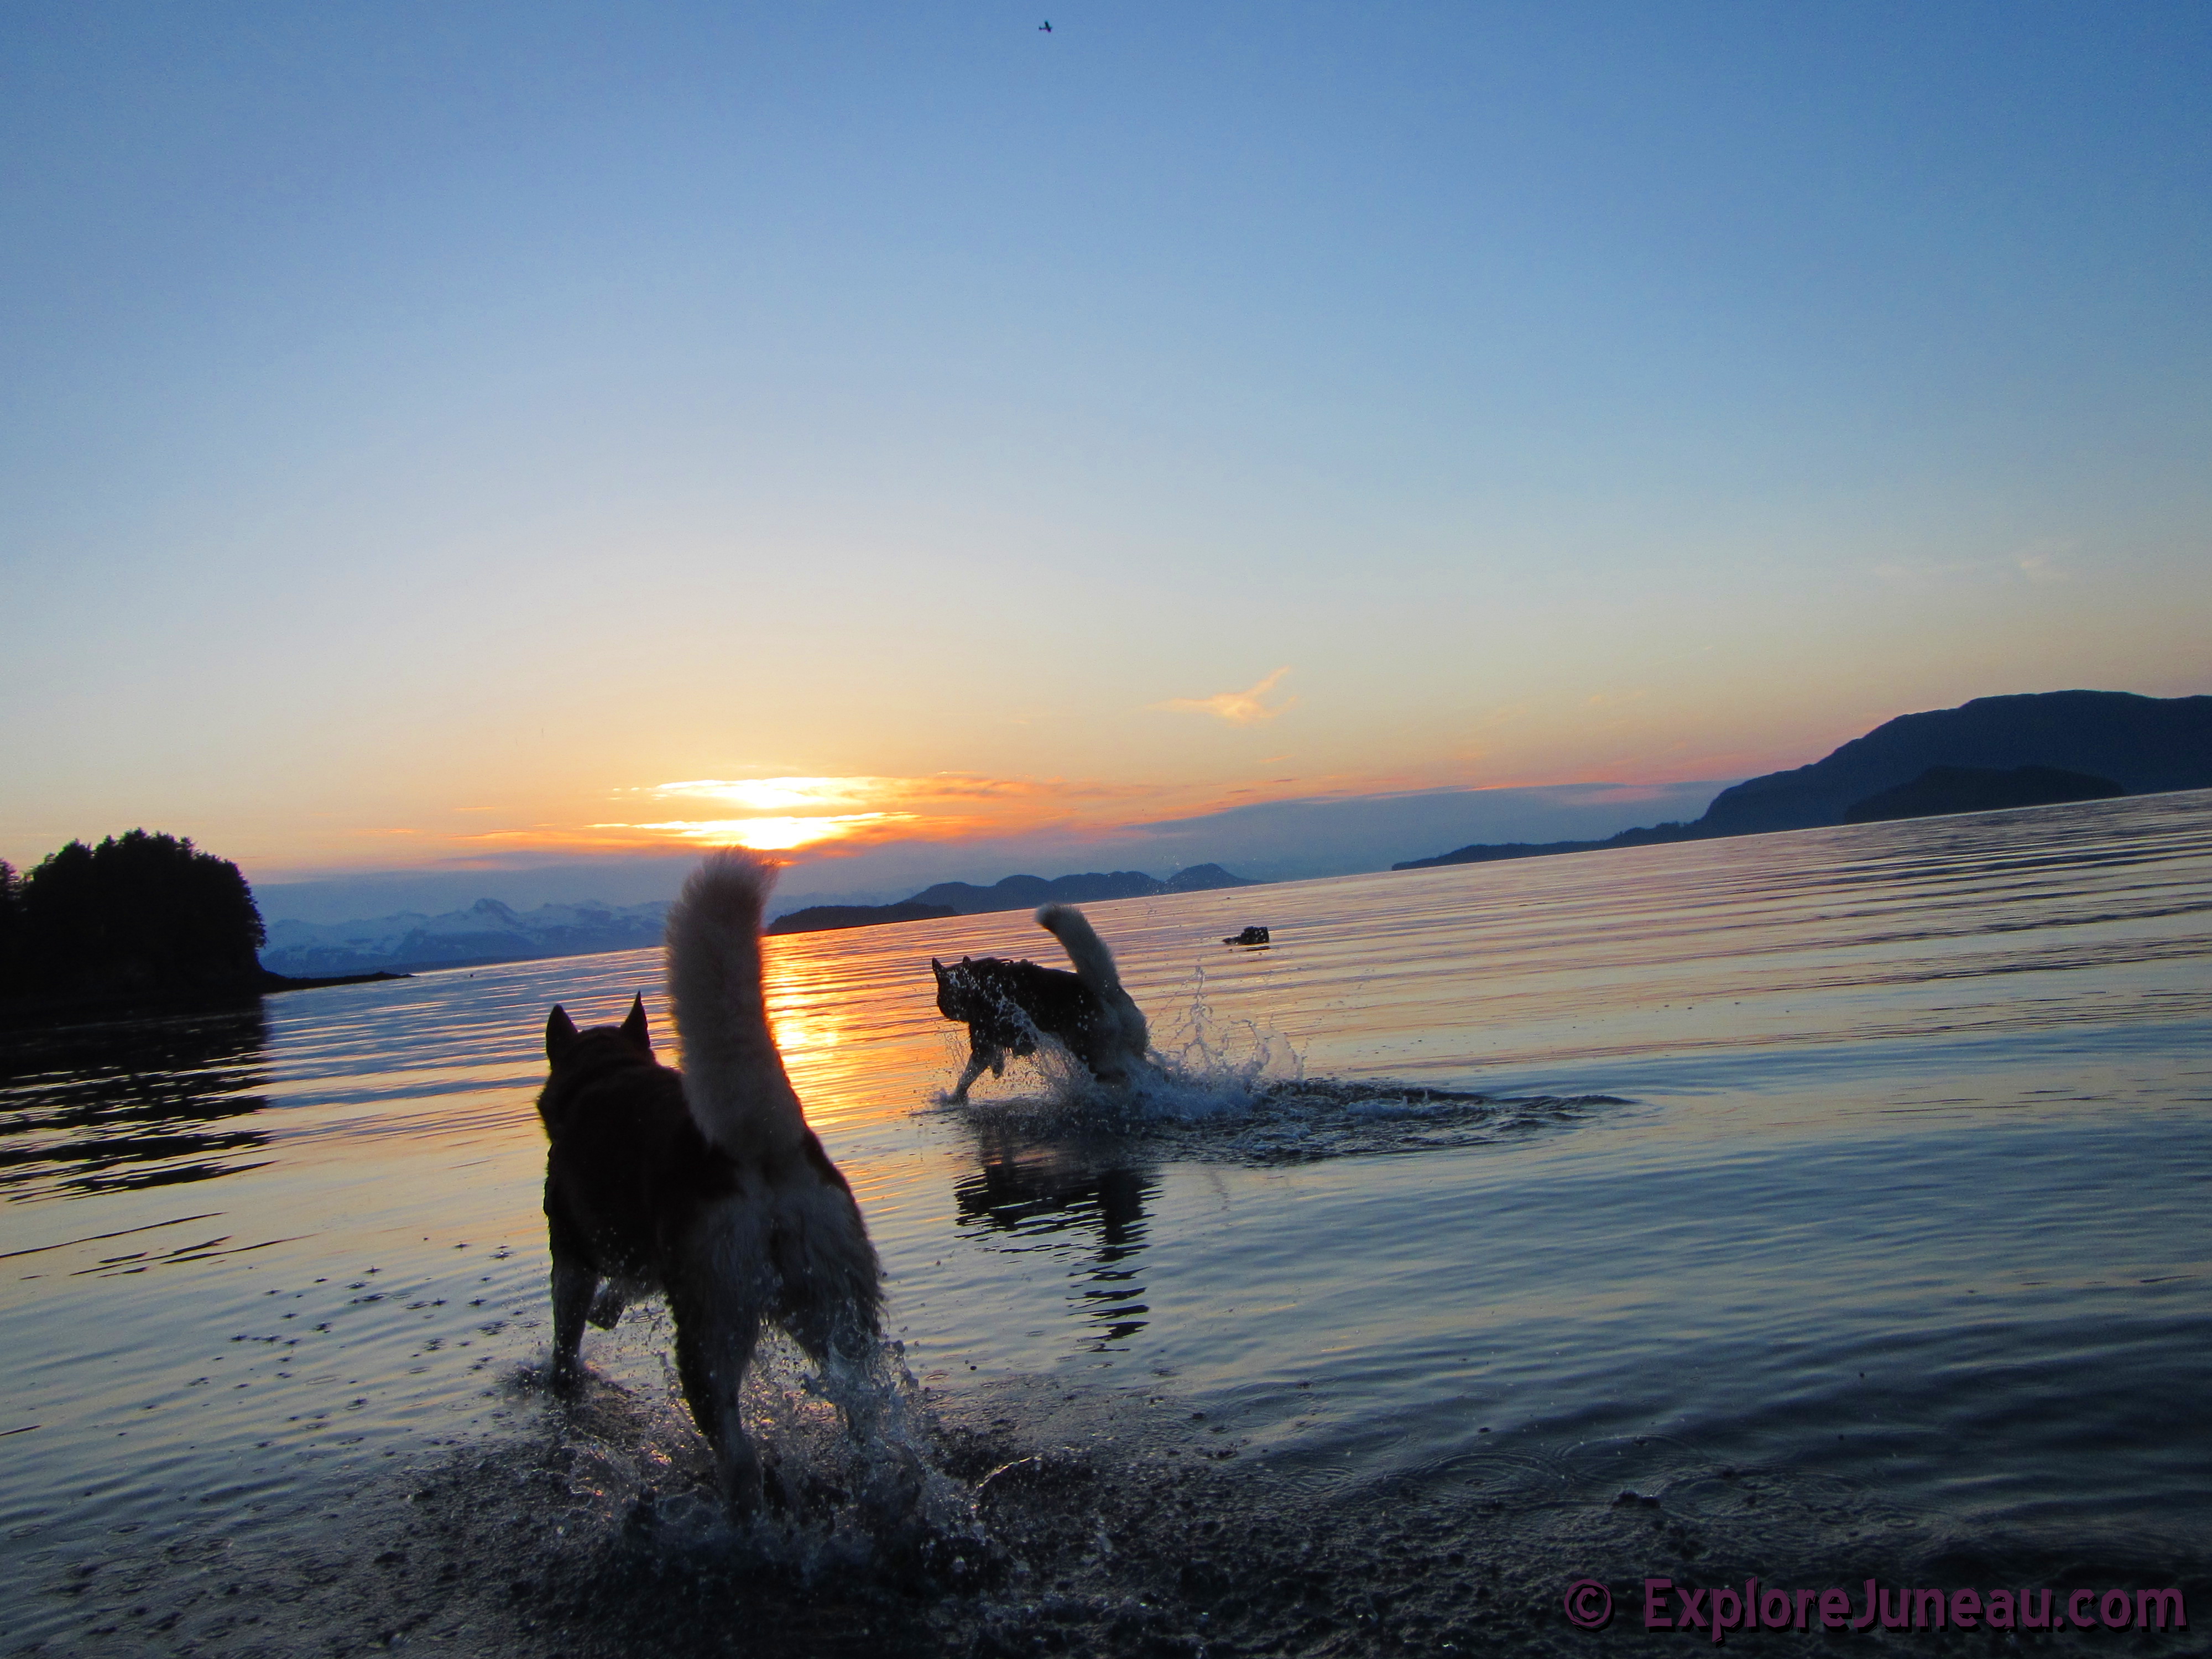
[633,1029]
[560,1032]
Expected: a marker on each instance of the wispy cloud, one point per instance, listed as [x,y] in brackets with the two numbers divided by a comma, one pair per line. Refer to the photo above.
[2039,562]
[1238,707]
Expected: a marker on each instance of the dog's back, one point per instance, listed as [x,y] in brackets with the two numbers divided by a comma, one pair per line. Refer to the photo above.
[1011,1004]
[1008,1007]
[627,1170]
[706,1185]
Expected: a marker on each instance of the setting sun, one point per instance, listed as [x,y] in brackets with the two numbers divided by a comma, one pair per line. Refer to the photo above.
[770,834]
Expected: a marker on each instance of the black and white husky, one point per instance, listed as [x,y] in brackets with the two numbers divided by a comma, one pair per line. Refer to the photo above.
[705,1185]
[1009,1006]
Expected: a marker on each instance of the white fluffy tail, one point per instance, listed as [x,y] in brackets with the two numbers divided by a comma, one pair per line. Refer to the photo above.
[1094,966]
[733,1077]
[1094,962]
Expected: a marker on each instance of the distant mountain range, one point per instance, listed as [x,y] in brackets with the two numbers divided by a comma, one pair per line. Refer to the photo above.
[2143,744]
[960,898]
[487,931]
[2013,750]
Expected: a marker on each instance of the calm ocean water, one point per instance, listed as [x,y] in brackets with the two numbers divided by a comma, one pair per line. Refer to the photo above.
[1817,1207]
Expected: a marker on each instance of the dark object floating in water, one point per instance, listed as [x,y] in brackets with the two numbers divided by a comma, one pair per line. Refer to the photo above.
[1942,789]
[1249,936]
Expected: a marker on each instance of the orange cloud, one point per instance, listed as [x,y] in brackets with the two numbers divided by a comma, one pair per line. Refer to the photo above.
[831,817]
[787,813]
[834,815]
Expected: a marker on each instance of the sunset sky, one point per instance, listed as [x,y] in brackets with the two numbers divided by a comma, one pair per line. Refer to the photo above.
[464,437]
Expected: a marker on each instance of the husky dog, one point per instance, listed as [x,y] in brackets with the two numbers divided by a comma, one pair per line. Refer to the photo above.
[1009,1006]
[705,1185]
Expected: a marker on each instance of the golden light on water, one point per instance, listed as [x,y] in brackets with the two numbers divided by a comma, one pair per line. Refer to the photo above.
[822,1029]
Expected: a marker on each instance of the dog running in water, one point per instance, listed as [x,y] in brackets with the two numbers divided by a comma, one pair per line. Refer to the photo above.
[705,1185]
[1009,1007]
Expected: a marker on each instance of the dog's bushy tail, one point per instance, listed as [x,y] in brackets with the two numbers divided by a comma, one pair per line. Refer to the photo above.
[1094,966]
[733,1077]
[1094,962]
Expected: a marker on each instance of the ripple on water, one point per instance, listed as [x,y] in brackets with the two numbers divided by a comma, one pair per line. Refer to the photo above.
[1914,1173]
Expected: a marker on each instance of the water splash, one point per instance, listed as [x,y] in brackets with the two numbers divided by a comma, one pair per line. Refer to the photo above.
[854,1448]
[854,1474]
[1236,1090]
[1208,1065]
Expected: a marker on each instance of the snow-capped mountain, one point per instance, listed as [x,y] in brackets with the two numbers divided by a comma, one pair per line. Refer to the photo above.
[487,931]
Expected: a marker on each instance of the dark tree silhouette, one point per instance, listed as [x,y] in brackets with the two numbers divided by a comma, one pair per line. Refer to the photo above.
[137,914]
[11,928]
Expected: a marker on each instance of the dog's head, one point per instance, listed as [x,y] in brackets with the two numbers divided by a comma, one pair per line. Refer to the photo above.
[566,1045]
[956,988]
[971,990]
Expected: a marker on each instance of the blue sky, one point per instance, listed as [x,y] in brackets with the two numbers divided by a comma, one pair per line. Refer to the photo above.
[431,434]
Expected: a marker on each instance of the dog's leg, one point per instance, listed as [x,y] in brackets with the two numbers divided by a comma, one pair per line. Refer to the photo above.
[840,1340]
[715,1338]
[843,1340]
[573,1286]
[607,1306]
[1107,1065]
[979,1056]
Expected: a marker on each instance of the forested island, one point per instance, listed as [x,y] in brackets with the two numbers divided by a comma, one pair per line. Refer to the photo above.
[141,917]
